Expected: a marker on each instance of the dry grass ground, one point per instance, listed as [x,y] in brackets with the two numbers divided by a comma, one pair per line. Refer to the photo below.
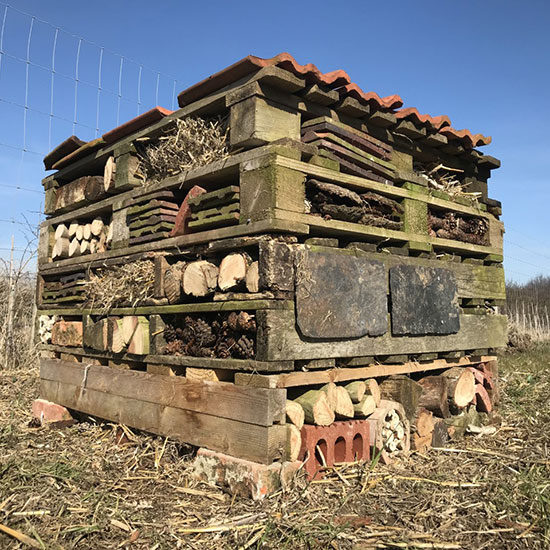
[76,488]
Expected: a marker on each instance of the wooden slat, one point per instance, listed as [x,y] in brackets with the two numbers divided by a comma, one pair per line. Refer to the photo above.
[220,399]
[283,339]
[294,379]
[257,443]
[246,365]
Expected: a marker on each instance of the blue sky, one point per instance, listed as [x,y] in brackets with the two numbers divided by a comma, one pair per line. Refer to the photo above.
[484,64]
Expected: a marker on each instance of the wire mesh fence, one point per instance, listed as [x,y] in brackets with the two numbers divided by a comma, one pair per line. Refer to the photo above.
[54,84]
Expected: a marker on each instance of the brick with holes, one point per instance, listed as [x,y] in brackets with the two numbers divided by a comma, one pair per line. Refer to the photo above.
[342,441]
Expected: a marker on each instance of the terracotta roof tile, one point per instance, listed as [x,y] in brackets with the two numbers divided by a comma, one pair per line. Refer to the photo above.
[469,139]
[65,148]
[412,114]
[137,123]
[389,102]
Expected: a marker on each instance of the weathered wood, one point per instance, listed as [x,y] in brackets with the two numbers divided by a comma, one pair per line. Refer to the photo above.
[294,379]
[74,194]
[212,375]
[222,399]
[434,395]
[283,340]
[365,407]
[372,388]
[404,390]
[240,439]
[294,442]
[276,266]
[67,333]
[255,121]
[173,281]
[109,174]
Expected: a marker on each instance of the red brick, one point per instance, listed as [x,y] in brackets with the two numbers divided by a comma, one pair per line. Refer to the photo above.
[51,414]
[343,441]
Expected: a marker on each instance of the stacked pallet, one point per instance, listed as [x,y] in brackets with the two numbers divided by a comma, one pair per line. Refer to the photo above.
[326,279]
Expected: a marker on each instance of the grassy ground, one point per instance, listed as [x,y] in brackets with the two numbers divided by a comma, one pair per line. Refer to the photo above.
[76,488]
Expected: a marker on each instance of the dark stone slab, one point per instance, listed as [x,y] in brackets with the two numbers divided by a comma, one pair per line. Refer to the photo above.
[424,301]
[339,296]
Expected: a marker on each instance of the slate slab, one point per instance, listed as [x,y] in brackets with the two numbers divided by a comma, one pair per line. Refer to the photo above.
[340,296]
[424,300]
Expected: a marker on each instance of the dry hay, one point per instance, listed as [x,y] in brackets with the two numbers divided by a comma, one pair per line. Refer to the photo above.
[443,178]
[188,143]
[123,285]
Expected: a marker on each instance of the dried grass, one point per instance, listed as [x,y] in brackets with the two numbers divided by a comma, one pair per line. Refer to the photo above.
[125,285]
[189,143]
[443,178]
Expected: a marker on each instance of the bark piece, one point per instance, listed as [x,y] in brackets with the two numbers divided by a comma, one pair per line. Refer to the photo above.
[172,283]
[109,174]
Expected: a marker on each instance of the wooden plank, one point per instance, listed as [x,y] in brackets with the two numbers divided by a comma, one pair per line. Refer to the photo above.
[182,308]
[294,379]
[246,365]
[240,439]
[221,399]
[282,339]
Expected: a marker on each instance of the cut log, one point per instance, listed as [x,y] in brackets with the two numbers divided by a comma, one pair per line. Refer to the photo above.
[172,283]
[102,242]
[317,409]
[233,271]
[330,390]
[294,442]
[295,413]
[200,278]
[97,227]
[61,231]
[79,232]
[461,389]
[74,248]
[84,247]
[87,232]
[72,229]
[423,427]
[483,400]
[434,395]
[344,406]
[61,248]
[94,244]
[372,388]
[404,390]
[139,342]
[478,375]
[253,277]
[365,407]
[96,335]
[356,390]
[109,174]
[95,189]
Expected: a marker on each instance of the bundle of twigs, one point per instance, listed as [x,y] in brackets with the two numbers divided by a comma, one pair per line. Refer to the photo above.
[124,285]
[451,225]
[188,143]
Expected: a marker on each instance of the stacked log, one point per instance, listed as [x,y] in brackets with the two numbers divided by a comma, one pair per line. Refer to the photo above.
[336,202]
[81,238]
[459,227]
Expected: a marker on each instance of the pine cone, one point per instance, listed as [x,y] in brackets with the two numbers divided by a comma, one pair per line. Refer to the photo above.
[224,347]
[170,333]
[244,347]
[232,320]
[203,333]
[174,348]
[246,322]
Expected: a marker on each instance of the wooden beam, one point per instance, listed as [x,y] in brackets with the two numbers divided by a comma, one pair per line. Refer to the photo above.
[222,399]
[240,439]
[294,379]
